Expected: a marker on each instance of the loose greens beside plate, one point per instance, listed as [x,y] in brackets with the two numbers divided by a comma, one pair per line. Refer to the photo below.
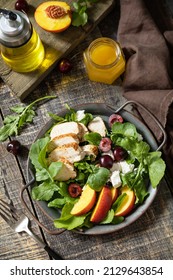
[149,166]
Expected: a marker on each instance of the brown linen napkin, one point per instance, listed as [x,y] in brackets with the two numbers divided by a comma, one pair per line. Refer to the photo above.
[146,36]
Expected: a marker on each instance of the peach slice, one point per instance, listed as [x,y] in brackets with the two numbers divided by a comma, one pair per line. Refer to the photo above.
[103,205]
[128,202]
[85,202]
[53,16]
[114,194]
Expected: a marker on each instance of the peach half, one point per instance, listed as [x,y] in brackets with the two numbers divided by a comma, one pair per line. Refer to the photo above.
[103,205]
[53,16]
[85,202]
[128,202]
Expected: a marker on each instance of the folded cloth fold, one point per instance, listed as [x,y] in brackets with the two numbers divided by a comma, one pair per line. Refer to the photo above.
[145,33]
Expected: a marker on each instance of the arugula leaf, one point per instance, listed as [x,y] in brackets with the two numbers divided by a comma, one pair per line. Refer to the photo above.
[54,168]
[88,117]
[156,167]
[71,115]
[57,202]
[38,158]
[140,191]
[79,18]
[41,175]
[98,178]
[9,119]
[61,201]
[80,13]
[85,167]
[118,202]
[13,123]
[8,130]
[35,152]
[18,109]
[124,129]
[44,191]
[109,217]
[117,220]
[67,220]
[93,138]
[48,173]
[63,189]
[135,181]
[57,118]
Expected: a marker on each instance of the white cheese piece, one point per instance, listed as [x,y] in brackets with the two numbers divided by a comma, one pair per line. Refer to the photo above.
[115,179]
[126,167]
[115,167]
[80,114]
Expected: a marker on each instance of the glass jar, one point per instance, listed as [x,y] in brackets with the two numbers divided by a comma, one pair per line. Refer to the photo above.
[21,47]
[27,57]
[104,60]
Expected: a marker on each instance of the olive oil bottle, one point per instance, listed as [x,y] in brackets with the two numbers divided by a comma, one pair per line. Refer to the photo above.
[21,47]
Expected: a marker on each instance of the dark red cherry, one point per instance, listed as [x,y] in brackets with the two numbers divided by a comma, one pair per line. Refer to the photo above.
[64,65]
[74,190]
[120,153]
[105,144]
[106,161]
[22,5]
[14,147]
[115,118]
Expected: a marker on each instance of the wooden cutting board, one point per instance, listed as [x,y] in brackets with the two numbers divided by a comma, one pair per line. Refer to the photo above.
[56,45]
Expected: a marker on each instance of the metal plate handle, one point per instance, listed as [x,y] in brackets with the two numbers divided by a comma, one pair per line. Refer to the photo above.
[24,188]
[137,104]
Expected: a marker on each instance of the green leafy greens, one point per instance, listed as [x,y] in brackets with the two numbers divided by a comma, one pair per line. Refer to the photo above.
[24,114]
[80,13]
[148,166]
[146,161]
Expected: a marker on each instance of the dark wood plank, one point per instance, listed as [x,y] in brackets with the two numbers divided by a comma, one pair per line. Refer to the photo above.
[20,246]
[56,46]
[150,237]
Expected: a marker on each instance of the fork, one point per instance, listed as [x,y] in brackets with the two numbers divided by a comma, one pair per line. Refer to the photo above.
[19,222]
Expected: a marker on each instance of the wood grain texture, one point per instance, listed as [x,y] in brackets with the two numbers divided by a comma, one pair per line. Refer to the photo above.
[56,46]
[10,182]
[150,237]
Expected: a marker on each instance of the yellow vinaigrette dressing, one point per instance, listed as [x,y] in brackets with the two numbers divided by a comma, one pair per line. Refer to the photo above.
[25,58]
[21,47]
[103,55]
[104,61]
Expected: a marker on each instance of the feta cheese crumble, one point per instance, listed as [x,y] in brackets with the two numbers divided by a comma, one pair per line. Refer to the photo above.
[80,114]
[126,167]
[115,179]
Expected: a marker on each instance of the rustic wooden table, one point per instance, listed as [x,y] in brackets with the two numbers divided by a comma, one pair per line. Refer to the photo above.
[150,237]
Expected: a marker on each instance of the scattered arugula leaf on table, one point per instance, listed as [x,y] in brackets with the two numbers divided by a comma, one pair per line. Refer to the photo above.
[80,13]
[22,116]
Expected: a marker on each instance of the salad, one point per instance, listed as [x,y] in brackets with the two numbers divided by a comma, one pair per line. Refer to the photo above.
[91,171]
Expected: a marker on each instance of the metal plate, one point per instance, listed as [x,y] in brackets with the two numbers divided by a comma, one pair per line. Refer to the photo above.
[104,111]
